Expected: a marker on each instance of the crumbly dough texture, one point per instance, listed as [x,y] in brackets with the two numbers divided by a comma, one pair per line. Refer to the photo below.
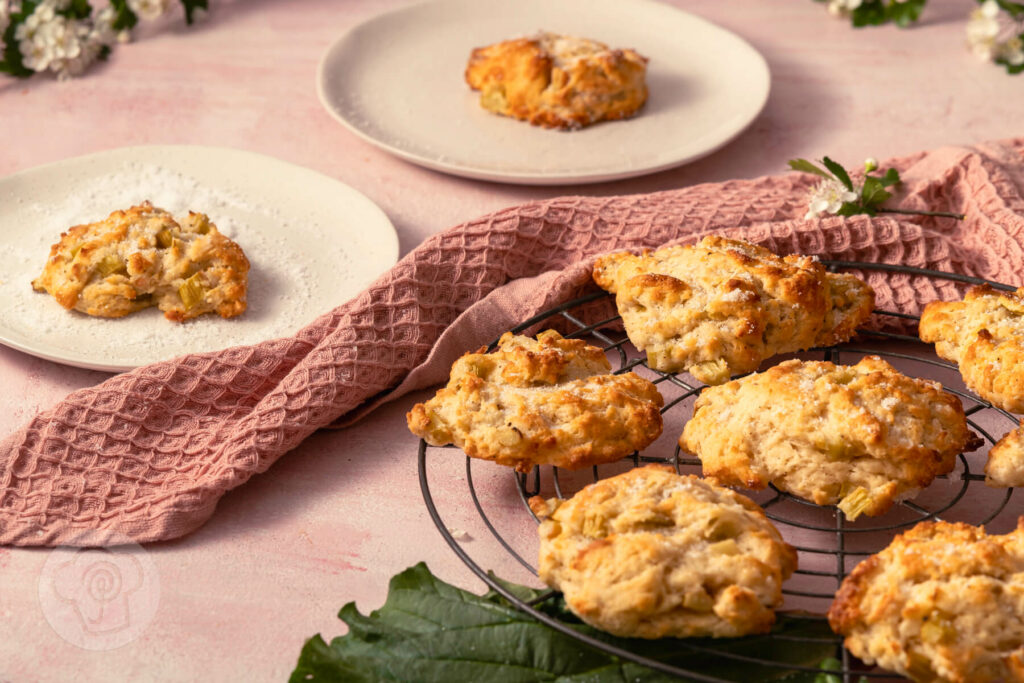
[984,334]
[722,306]
[543,401]
[1005,466]
[652,554]
[558,81]
[944,603]
[863,436]
[143,257]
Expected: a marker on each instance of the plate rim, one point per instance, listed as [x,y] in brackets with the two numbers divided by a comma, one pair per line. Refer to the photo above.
[392,248]
[534,178]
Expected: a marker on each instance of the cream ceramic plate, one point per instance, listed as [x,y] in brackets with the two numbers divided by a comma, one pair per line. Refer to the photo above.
[313,243]
[397,81]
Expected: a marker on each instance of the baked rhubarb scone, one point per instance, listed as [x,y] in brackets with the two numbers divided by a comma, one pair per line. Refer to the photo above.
[1005,466]
[943,603]
[543,401]
[652,554]
[984,334]
[722,306]
[558,81]
[861,436]
[143,257]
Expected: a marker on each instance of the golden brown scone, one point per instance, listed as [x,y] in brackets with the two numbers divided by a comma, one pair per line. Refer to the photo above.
[652,554]
[544,401]
[1005,466]
[558,81]
[142,257]
[863,436]
[944,602]
[984,334]
[722,306]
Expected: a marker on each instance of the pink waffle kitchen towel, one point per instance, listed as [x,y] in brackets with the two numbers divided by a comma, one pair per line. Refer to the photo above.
[147,454]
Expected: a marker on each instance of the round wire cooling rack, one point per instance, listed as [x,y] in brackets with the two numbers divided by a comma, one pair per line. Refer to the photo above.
[828,545]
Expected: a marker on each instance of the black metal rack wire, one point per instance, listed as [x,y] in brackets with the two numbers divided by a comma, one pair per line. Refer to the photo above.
[826,538]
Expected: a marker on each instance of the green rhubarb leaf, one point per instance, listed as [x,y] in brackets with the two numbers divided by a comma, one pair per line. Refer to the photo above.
[839,172]
[428,630]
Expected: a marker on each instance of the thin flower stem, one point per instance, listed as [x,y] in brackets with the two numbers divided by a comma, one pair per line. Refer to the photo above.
[941,214]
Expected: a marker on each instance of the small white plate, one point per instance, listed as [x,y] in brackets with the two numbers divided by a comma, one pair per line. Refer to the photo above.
[397,80]
[313,243]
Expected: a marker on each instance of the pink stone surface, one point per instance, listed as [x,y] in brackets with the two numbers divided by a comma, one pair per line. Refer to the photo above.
[332,521]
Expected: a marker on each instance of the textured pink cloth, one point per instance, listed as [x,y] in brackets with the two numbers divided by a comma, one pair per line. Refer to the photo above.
[149,453]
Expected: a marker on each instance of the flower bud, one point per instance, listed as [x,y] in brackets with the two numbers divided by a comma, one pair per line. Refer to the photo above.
[870,164]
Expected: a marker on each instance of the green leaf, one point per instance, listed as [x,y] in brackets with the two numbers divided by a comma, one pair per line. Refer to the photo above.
[839,172]
[1015,9]
[854,208]
[873,193]
[428,630]
[905,13]
[870,13]
[124,19]
[77,9]
[806,166]
[891,177]
[827,667]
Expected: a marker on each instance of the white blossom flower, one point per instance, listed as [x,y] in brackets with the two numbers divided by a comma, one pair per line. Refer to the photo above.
[103,27]
[983,30]
[149,9]
[842,8]
[49,41]
[828,197]
[1012,51]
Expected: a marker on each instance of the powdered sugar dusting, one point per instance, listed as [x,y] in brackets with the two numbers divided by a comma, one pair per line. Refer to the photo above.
[284,262]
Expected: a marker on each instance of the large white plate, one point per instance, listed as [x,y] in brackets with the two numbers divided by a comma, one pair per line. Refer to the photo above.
[397,81]
[313,243]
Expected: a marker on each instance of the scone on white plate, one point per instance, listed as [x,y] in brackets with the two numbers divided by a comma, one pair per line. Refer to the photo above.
[652,554]
[543,401]
[143,257]
[863,436]
[558,81]
[721,306]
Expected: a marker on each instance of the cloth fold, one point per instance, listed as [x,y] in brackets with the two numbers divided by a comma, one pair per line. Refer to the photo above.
[147,454]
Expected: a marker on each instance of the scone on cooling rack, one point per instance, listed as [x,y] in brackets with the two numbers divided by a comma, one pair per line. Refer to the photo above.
[652,554]
[984,334]
[861,436]
[143,257]
[1005,466]
[558,81]
[722,306]
[944,602]
[543,401]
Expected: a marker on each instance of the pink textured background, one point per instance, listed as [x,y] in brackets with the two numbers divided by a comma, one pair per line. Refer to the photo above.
[330,522]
